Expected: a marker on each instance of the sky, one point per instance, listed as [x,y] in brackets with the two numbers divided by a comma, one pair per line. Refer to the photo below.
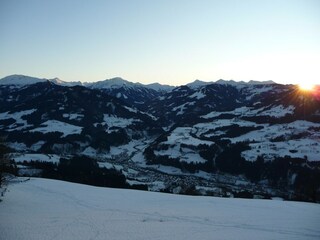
[167,41]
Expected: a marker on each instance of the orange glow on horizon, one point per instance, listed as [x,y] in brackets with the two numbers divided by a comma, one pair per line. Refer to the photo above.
[310,89]
[307,87]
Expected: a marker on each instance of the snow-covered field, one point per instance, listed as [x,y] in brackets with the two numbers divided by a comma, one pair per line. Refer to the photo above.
[49,209]
[274,111]
[58,126]
[118,122]
[298,139]
[179,137]
[17,116]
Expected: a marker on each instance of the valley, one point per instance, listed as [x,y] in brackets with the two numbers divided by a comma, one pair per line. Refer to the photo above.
[225,138]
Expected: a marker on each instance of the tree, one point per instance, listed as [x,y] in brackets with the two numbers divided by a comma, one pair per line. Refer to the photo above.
[4,161]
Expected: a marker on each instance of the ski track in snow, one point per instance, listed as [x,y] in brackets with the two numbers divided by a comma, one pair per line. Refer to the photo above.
[49,209]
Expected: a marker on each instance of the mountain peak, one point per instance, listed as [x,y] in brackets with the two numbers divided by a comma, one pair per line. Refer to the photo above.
[116,82]
[198,83]
[230,82]
[22,80]
[254,82]
[17,79]
[159,87]
[58,81]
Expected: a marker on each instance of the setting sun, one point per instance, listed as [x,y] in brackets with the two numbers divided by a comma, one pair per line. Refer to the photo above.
[306,86]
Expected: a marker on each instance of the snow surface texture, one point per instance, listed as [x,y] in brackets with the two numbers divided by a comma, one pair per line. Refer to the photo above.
[49,209]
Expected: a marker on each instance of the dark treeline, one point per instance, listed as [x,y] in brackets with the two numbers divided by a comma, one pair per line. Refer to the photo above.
[85,170]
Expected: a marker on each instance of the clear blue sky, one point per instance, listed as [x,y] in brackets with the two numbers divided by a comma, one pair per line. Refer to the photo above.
[167,41]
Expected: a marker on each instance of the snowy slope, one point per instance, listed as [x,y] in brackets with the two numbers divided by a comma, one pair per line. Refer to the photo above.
[64,83]
[47,209]
[57,126]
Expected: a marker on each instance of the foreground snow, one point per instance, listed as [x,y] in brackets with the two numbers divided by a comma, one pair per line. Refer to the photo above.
[49,209]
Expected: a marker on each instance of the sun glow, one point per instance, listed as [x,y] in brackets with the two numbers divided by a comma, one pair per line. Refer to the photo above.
[306,86]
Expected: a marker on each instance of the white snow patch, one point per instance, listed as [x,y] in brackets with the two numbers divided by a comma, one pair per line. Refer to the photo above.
[36,146]
[308,146]
[113,121]
[182,108]
[198,95]
[277,111]
[29,172]
[237,111]
[90,151]
[202,128]
[131,109]
[57,126]
[254,90]
[73,116]
[157,186]
[187,157]
[20,123]
[109,165]
[299,148]
[36,157]
[17,146]
[177,141]
[182,135]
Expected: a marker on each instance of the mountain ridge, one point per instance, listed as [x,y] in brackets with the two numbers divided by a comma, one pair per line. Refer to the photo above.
[253,140]
[117,82]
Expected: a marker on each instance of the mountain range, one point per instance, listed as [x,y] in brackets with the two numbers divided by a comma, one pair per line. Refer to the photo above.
[224,138]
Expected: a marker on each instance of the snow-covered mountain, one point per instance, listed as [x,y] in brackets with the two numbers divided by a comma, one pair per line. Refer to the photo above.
[112,83]
[234,128]
[22,80]
[118,82]
[222,139]
[135,94]
[64,83]
[242,83]
[49,209]
[160,87]
[198,83]
[59,119]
